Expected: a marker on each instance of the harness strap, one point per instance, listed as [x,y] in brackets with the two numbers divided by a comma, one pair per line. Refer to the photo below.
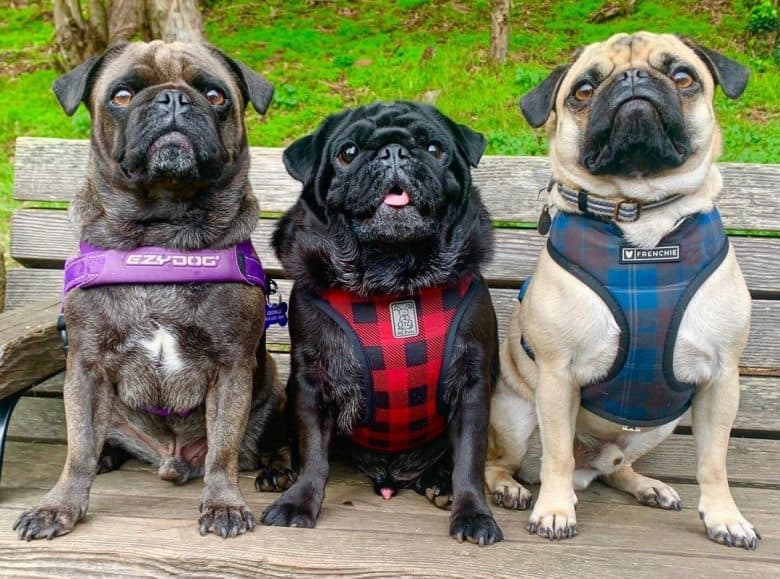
[95,266]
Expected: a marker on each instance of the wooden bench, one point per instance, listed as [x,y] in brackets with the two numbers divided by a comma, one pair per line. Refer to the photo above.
[152,523]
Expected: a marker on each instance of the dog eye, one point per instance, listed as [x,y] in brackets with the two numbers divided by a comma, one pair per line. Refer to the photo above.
[348,154]
[122,97]
[436,150]
[682,79]
[583,91]
[215,96]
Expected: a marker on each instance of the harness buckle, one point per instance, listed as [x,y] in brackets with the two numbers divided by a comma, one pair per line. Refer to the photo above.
[619,205]
[62,331]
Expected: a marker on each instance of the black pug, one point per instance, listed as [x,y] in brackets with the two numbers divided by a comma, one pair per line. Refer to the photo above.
[394,340]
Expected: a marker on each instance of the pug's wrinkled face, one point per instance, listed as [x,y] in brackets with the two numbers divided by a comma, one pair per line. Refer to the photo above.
[636,106]
[394,173]
[166,116]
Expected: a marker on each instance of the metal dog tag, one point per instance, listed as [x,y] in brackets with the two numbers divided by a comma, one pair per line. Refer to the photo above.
[404,318]
[275,312]
[631,428]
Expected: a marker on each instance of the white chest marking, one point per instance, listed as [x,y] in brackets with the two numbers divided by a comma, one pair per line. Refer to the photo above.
[163,349]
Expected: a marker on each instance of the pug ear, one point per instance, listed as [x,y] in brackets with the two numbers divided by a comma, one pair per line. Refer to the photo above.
[300,159]
[73,87]
[729,74]
[254,88]
[471,142]
[537,104]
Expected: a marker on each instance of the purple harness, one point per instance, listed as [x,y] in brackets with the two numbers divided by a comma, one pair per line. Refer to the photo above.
[96,266]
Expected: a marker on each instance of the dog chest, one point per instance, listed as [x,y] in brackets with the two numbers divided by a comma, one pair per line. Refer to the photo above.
[647,291]
[404,344]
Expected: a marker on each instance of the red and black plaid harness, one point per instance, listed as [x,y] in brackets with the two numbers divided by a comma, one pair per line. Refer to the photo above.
[404,343]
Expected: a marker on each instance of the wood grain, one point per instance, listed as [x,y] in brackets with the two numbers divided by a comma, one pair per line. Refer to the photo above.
[759,402]
[140,525]
[752,462]
[29,347]
[54,169]
[762,354]
[44,238]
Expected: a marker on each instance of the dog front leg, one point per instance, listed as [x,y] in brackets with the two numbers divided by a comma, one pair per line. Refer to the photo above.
[512,422]
[223,509]
[471,517]
[88,404]
[714,409]
[300,505]
[557,405]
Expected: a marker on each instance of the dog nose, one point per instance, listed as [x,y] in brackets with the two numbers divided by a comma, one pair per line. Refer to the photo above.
[173,100]
[393,154]
[634,76]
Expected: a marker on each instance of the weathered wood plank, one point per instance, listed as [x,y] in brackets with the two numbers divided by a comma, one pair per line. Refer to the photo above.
[29,347]
[152,523]
[108,545]
[43,238]
[762,354]
[54,169]
[752,462]
[21,487]
[759,403]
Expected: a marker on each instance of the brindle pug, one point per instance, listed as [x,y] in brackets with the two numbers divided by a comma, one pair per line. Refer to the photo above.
[387,240]
[633,144]
[168,168]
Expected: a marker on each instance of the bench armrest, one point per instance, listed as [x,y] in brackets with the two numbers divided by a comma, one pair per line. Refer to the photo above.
[30,348]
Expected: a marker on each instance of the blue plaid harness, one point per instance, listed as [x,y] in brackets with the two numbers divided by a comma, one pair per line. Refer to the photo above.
[647,291]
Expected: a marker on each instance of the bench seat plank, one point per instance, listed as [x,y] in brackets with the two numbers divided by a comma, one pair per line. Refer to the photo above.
[151,523]
[54,169]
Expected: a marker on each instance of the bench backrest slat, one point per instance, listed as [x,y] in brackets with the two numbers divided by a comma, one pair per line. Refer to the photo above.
[54,169]
[44,238]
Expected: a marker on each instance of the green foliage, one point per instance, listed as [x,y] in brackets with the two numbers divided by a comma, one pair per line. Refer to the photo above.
[763,18]
[286,96]
[323,56]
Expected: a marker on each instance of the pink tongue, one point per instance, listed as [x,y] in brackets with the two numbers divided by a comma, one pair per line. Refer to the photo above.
[387,494]
[395,200]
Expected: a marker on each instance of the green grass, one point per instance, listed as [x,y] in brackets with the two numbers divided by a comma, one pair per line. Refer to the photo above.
[327,55]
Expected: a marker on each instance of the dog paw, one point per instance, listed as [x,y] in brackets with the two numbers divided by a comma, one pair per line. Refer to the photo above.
[283,513]
[439,496]
[512,495]
[660,495]
[226,520]
[553,523]
[478,528]
[46,523]
[732,531]
[273,478]
[288,513]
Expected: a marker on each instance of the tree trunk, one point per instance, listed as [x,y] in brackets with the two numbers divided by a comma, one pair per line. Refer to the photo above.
[174,20]
[83,34]
[499,30]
